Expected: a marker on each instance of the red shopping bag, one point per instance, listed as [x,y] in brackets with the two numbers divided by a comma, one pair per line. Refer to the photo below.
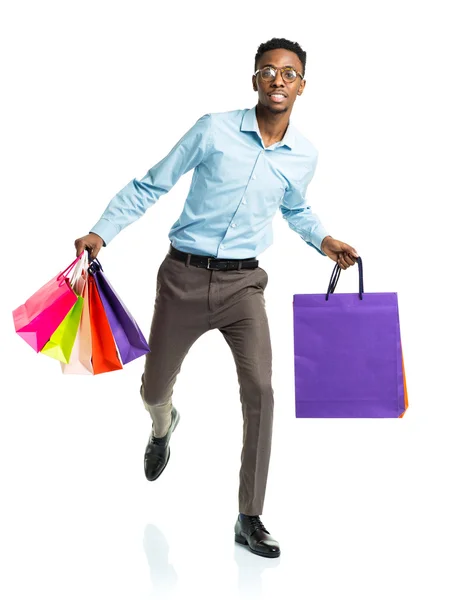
[104,351]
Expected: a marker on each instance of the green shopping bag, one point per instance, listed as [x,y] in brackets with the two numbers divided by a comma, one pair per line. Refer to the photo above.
[62,340]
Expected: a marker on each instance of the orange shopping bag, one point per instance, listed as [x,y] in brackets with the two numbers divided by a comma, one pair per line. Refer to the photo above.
[104,351]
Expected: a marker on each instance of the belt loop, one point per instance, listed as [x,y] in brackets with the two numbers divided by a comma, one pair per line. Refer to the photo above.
[188,258]
[240,264]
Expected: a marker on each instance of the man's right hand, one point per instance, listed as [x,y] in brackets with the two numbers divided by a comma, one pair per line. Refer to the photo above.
[91,242]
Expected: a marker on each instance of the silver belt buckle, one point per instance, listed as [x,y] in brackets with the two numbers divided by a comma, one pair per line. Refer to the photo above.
[208,263]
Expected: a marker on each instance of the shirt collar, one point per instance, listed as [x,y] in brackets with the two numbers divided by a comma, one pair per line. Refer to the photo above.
[250,123]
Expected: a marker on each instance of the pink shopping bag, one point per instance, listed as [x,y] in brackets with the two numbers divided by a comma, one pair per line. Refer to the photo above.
[37,319]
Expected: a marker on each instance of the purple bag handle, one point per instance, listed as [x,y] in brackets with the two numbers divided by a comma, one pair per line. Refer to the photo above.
[336,275]
[94,265]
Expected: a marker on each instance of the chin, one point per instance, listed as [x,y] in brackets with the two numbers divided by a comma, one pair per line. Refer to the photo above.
[277,109]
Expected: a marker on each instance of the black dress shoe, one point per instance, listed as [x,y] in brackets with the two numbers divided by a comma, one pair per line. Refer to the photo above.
[250,531]
[157,452]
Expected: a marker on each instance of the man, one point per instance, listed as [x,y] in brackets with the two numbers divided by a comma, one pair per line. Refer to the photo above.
[247,164]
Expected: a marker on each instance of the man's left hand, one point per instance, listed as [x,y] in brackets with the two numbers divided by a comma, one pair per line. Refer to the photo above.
[341,253]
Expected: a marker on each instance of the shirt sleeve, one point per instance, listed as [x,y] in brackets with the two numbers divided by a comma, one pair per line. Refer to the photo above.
[295,209]
[131,203]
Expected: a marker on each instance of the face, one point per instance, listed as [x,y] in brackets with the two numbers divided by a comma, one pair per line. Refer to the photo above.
[290,90]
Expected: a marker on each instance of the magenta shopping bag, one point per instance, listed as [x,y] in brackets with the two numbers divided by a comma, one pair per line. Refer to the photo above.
[130,341]
[37,319]
[348,355]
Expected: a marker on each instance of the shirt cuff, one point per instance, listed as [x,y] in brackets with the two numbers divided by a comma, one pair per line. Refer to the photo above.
[317,237]
[106,230]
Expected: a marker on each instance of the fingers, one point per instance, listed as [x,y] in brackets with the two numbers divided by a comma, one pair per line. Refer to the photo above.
[80,247]
[342,263]
[345,260]
[94,251]
[92,242]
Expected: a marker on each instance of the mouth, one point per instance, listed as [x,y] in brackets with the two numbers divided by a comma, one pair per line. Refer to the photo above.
[277,97]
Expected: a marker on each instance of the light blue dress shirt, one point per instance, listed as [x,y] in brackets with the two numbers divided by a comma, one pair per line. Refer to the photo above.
[237,187]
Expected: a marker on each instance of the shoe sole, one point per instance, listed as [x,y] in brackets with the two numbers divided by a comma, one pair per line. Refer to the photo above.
[169,454]
[241,540]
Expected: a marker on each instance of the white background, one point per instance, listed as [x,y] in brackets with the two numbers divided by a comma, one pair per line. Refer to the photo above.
[94,94]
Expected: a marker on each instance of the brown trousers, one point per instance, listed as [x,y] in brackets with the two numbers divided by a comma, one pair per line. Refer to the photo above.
[190,301]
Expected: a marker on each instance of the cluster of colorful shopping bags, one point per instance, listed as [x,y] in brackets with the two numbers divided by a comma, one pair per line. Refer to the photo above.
[78,319]
[348,355]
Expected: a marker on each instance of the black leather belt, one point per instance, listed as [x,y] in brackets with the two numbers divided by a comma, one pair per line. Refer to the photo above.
[214,264]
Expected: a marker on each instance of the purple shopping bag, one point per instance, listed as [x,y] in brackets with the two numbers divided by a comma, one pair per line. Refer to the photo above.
[130,341]
[348,356]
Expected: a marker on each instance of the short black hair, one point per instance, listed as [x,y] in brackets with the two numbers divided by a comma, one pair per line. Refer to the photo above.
[285,44]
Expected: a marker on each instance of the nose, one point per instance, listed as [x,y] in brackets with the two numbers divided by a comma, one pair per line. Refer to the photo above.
[279,75]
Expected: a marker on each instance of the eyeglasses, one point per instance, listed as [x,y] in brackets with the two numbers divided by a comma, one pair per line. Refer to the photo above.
[287,73]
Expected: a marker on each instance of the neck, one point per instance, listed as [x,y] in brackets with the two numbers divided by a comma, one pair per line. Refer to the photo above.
[272,125]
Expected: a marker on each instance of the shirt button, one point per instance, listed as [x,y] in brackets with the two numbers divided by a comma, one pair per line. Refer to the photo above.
[243,201]
[222,246]
[233,225]
[254,177]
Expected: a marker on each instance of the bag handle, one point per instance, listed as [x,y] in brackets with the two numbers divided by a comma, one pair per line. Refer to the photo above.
[69,267]
[94,265]
[80,267]
[336,275]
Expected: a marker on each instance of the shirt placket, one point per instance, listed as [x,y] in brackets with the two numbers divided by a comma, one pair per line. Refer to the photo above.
[243,201]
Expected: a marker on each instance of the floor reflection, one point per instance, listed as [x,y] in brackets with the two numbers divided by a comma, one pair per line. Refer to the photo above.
[164,577]
[250,569]
[162,574]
